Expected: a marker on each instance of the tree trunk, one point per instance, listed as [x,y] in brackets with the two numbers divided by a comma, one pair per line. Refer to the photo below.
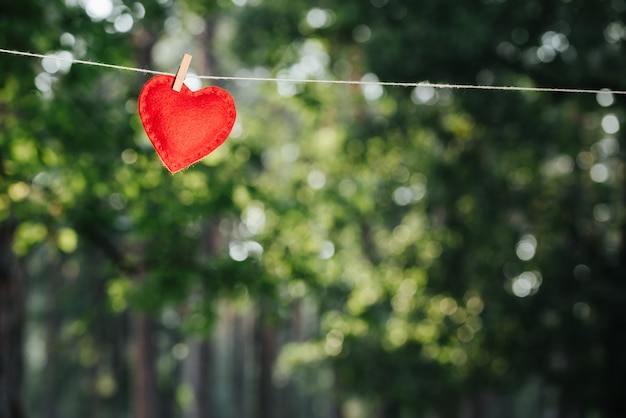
[199,371]
[615,340]
[198,364]
[12,297]
[145,392]
[266,336]
[50,387]
[238,367]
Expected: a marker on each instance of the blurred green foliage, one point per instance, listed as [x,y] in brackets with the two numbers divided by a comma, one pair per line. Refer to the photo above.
[453,243]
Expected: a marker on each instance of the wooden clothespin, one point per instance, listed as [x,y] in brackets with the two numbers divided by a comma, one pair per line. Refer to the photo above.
[182,73]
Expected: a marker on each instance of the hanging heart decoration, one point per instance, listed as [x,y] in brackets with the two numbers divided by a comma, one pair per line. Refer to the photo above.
[184,126]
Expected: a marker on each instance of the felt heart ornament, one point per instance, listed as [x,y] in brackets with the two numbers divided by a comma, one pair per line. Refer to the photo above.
[184,126]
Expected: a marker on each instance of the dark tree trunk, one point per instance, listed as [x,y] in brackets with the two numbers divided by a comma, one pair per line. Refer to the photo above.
[266,342]
[239,365]
[199,358]
[145,392]
[615,339]
[12,296]
[50,387]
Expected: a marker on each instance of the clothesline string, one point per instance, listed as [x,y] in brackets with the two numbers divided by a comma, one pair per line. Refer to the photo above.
[317,81]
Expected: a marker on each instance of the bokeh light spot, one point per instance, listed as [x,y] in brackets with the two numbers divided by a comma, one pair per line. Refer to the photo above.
[526,247]
[362,33]
[605,98]
[327,251]
[316,179]
[599,173]
[97,9]
[424,95]
[582,272]
[602,212]
[123,23]
[526,283]
[318,18]
[581,310]
[371,91]
[610,124]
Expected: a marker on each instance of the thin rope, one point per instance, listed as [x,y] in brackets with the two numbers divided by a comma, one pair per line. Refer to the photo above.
[77,61]
[349,82]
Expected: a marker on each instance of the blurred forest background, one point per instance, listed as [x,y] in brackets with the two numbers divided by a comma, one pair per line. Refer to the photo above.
[350,251]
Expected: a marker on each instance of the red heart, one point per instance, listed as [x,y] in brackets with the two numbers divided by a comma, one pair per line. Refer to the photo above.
[184,126]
